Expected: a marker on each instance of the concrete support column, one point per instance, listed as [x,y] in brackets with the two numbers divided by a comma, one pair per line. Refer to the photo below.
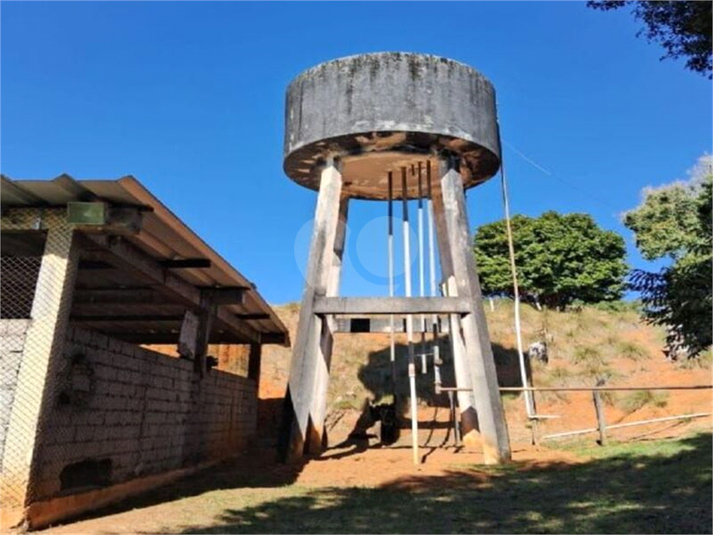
[466,401]
[318,440]
[479,354]
[303,413]
[41,357]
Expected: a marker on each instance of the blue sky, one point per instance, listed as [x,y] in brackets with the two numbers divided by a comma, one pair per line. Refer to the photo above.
[188,97]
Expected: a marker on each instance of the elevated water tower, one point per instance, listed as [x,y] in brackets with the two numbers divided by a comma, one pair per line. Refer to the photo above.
[389,127]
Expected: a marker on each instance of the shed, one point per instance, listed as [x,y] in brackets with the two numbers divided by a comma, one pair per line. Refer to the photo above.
[94,274]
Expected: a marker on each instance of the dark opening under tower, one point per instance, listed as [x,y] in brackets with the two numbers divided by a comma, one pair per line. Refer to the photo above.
[394,127]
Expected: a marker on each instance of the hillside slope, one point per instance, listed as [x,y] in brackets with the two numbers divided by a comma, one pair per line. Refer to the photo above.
[583,346]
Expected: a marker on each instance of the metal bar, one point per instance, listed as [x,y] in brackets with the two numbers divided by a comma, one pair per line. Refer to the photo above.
[390,246]
[432,278]
[587,388]
[631,424]
[529,395]
[421,267]
[409,321]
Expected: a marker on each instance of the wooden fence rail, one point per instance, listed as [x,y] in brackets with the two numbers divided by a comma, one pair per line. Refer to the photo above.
[628,424]
[598,407]
[584,388]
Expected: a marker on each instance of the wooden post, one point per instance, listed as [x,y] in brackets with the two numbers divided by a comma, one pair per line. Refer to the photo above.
[298,432]
[479,355]
[187,336]
[599,410]
[254,364]
[535,428]
[206,313]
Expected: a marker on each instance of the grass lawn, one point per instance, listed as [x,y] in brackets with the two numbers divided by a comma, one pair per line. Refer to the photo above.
[643,487]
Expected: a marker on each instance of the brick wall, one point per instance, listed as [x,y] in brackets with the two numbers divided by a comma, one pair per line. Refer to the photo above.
[122,411]
[12,342]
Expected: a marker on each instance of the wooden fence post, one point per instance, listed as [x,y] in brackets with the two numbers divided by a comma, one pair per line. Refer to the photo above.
[535,429]
[599,409]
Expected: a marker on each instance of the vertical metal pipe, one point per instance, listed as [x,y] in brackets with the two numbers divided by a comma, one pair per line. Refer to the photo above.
[409,320]
[529,396]
[390,246]
[421,267]
[432,278]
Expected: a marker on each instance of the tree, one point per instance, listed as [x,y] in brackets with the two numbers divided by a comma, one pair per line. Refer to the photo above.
[674,223]
[559,258]
[682,28]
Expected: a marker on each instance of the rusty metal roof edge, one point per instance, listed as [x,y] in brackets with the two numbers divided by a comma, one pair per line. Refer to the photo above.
[139,191]
[145,198]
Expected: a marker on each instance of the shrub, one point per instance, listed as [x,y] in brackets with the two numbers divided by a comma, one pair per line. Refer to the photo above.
[634,401]
[631,350]
[587,354]
[619,306]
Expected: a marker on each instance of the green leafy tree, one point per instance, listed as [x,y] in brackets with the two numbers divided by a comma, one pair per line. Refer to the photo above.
[560,258]
[682,28]
[674,223]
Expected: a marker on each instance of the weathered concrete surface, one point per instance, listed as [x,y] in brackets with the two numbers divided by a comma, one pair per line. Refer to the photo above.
[380,112]
[12,343]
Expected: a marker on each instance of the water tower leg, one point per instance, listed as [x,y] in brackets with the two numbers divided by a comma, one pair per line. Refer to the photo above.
[466,403]
[299,432]
[479,355]
[317,436]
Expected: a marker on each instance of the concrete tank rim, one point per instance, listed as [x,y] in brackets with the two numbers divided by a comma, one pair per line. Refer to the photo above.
[308,70]
[475,142]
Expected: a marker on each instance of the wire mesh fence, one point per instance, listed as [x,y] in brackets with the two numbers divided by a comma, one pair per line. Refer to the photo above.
[33,305]
[18,279]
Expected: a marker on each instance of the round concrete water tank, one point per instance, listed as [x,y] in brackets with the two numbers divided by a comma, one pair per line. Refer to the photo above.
[381,112]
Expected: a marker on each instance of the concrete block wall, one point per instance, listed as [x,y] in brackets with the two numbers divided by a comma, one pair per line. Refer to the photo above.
[12,342]
[143,411]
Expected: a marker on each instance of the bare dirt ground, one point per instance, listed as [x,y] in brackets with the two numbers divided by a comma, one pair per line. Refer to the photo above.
[248,483]
[217,500]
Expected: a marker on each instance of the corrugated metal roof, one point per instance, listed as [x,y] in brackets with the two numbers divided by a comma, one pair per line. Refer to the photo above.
[163,235]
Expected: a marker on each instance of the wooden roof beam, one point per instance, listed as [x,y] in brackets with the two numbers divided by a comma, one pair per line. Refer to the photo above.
[184,263]
[120,296]
[130,258]
[100,318]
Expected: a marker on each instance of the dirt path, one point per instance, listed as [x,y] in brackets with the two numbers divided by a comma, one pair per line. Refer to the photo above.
[219,496]
[255,482]
[246,482]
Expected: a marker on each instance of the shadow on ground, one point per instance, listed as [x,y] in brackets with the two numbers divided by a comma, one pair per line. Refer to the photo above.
[376,374]
[640,488]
